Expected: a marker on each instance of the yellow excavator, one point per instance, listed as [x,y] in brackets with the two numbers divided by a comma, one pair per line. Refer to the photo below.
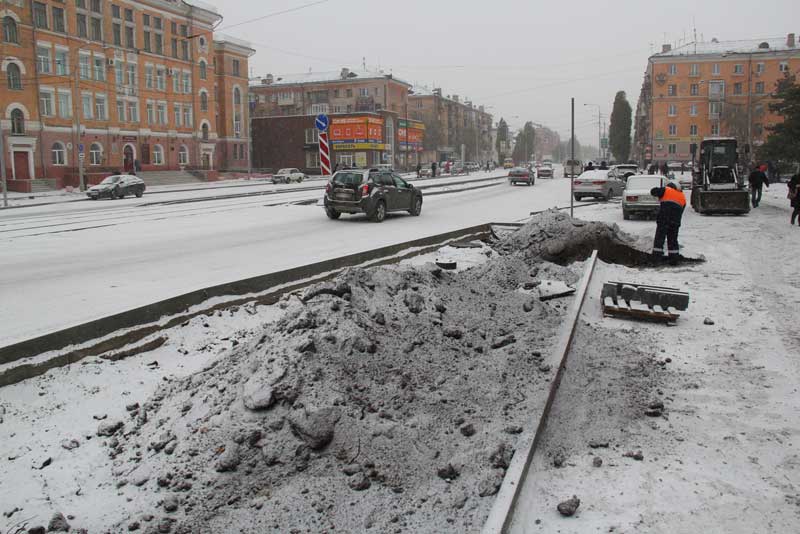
[717,186]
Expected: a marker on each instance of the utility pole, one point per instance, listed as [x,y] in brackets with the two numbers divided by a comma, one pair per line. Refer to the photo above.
[572,164]
[3,170]
[78,110]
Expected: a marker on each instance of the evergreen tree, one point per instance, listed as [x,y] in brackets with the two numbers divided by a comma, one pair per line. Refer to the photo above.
[502,137]
[525,140]
[782,143]
[619,133]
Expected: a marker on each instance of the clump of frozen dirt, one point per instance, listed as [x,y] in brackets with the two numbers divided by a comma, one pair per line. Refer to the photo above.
[556,237]
[380,401]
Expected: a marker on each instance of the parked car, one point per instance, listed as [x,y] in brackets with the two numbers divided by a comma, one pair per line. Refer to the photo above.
[681,172]
[623,171]
[573,167]
[545,170]
[287,176]
[370,191]
[472,166]
[458,167]
[384,167]
[521,174]
[597,184]
[636,199]
[117,186]
[425,172]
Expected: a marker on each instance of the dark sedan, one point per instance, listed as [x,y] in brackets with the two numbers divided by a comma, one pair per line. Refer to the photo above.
[520,174]
[117,186]
[373,192]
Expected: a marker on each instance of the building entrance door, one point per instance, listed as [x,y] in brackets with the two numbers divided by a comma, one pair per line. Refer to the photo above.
[127,159]
[206,161]
[21,170]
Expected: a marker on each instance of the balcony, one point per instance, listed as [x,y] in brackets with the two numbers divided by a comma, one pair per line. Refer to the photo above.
[286,99]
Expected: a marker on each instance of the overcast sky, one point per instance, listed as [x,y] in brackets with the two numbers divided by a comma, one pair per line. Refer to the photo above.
[523,59]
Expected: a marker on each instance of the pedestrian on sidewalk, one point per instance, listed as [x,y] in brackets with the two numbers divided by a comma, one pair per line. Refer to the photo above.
[419,169]
[670,212]
[757,180]
[433,169]
[664,169]
[794,197]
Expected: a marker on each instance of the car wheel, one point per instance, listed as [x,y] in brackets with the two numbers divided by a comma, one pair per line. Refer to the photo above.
[139,193]
[607,196]
[380,212]
[121,193]
[626,215]
[115,193]
[417,209]
[332,213]
[578,198]
[300,180]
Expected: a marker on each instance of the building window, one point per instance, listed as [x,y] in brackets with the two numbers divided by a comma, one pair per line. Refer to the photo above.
[715,69]
[760,68]
[148,76]
[694,70]
[672,148]
[161,109]
[715,129]
[694,89]
[100,107]
[159,41]
[133,111]
[131,75]
[673,68]
[185,50]
[187,83]
[13,76]
[129,15]
[146,40]
[62,63]
[363,91]
[715,109]
[151,113]
[783,66]
[161,81]
[183,155]
[100,68]
[203,101]
[174,48]
[130,39]
[672,90]
[10,34]
[119,73]
[158,155]
[187,115]
[738,68]
[43,59]
[312,136]
[121,110]
[236,67]
[46,103]
[237,97]
[693,130]
[312,160]
[83,29]
[17,122]
[759,88]
[97,29]
[86,101]
[737,88]
[97,6]
[203,73]
[205,132]
[59,24]
[116,31]
[59,154]
[40,15]
[673,130]
[115,11]
[64,104]
[349,93]
[177,111]
[673,110]
[693,110]
[95,154]
[84,64]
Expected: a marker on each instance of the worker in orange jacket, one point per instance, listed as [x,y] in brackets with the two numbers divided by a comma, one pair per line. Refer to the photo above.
[670,212]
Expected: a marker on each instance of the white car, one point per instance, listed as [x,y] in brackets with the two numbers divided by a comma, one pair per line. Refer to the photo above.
[625,170]
[637,200]
[597,184]
[287,176]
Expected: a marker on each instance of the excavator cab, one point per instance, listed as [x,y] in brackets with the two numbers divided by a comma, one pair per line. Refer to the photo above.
[718,187]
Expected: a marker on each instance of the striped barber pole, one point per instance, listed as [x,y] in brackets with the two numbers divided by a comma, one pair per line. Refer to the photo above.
[324,154]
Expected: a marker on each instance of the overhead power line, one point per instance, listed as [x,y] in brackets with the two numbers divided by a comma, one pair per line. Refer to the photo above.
[275,14]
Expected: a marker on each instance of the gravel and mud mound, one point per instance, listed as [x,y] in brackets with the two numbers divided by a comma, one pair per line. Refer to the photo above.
[389,399]
[556,237]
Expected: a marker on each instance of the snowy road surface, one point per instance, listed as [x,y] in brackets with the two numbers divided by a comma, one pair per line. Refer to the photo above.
[71,263]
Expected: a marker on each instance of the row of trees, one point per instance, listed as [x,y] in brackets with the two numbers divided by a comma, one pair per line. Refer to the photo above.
[783,141]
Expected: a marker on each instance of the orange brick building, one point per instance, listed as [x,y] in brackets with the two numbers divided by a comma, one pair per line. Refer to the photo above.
[131,85]
[710,89]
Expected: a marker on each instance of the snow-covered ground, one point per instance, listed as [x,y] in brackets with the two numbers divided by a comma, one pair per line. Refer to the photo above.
[64,266]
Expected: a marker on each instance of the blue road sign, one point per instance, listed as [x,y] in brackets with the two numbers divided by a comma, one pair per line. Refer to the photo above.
[80,147]
[322,122]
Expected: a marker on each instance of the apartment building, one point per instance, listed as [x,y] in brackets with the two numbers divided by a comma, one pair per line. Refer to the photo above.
[121,85]
[450,123]
[717,88]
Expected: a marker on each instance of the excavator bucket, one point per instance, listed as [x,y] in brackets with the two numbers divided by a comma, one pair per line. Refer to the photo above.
[737,201]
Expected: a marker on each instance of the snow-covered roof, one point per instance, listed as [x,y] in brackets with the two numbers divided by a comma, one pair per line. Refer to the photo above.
[745,46]
[329,76]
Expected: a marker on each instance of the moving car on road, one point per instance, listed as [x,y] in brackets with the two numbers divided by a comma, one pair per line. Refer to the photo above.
[545,170]
[597,184]
[370,191]
[573,167]
[637,200]
[117,186]
[623,171]
[287,176]
[521,174]
[681,172]
[472,166]
[508,163]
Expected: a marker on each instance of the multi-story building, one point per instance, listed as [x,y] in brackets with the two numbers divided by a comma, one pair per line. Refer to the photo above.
[451,123]
[118,85]
[711,89]
[357,96]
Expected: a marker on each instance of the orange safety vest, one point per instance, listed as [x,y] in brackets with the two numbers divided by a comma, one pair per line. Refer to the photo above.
[673,195]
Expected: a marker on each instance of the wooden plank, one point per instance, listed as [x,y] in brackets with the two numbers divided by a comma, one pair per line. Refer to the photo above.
[608,303]
[658,309]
